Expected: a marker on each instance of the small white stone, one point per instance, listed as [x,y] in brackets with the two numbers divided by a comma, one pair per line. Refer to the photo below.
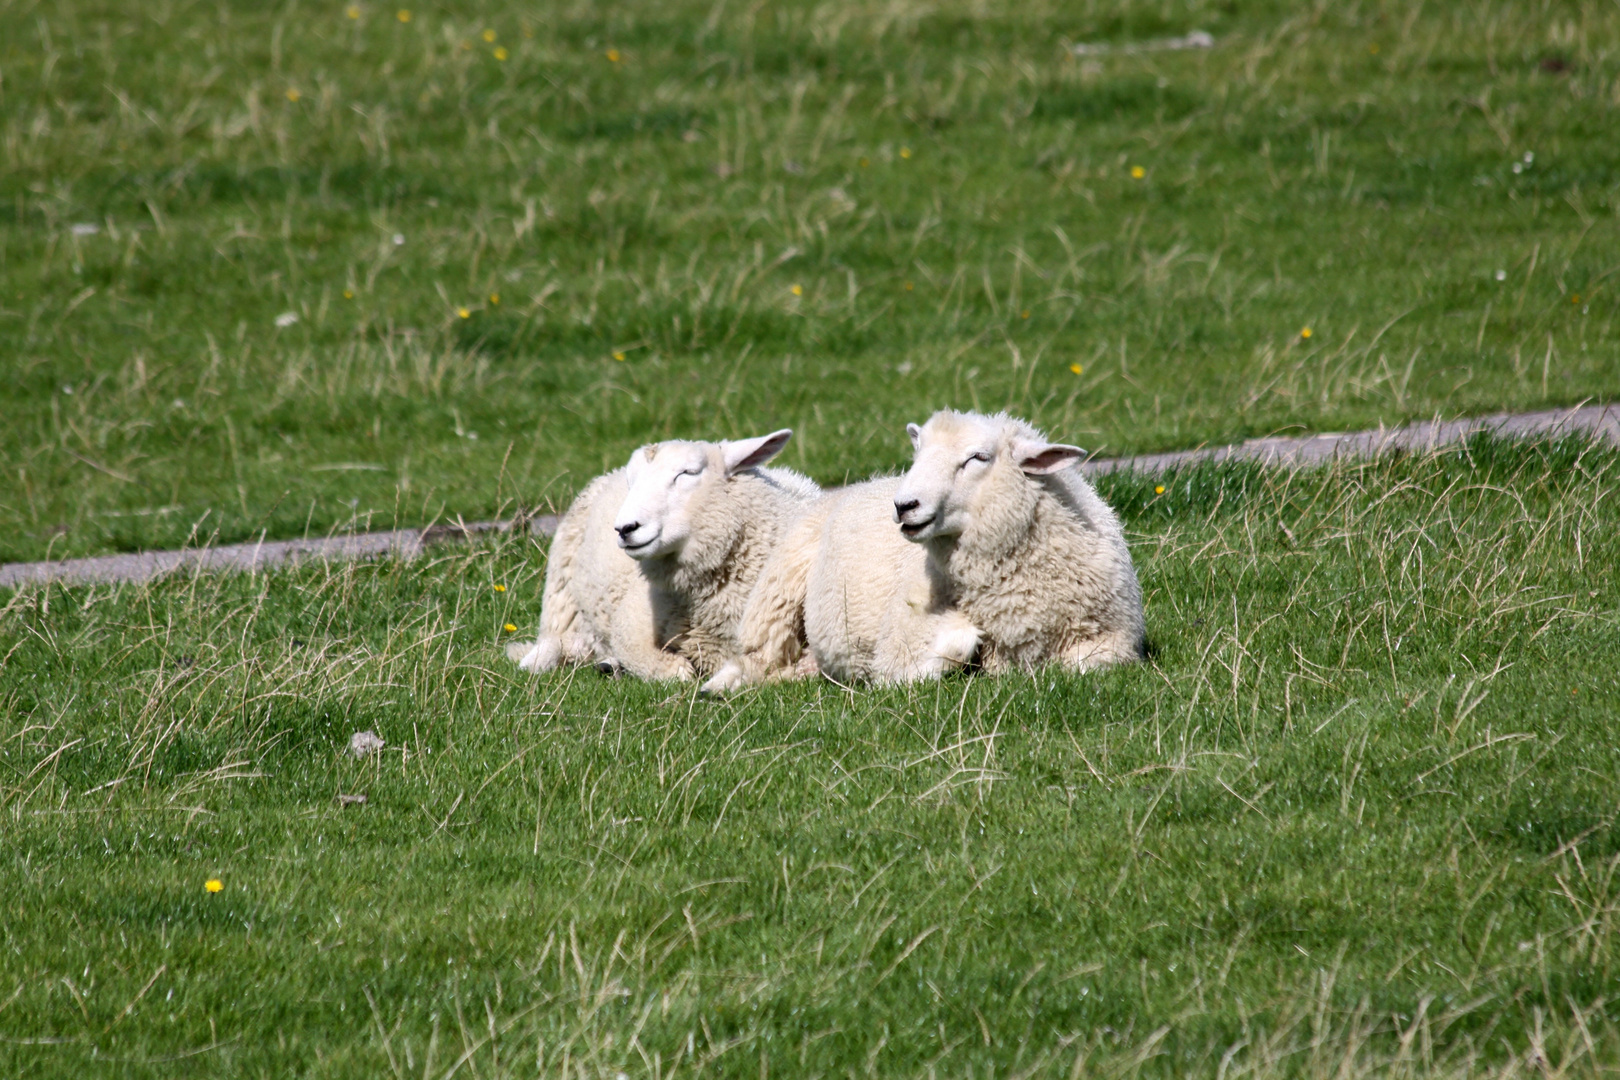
[286,318]
[399,239]
[1501,275]
[365,742]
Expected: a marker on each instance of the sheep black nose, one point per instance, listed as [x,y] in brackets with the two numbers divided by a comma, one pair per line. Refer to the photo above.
[901,509]
[625,531]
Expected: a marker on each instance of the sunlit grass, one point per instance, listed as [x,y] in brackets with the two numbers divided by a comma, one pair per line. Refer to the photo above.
[1356,816]
[269,269]
[276,269]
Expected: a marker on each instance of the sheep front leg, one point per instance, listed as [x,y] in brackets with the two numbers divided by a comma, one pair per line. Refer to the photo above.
[956,642]
[730,677]
[636,645]
[563,639]
[542,655]
[926,647]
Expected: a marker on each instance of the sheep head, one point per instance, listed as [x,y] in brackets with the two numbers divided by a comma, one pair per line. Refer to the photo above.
[961,459]
[668,482]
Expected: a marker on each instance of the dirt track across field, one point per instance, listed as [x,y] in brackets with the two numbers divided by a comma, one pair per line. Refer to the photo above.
[1600,423]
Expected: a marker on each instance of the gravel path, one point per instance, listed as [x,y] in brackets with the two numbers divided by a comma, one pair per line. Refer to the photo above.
[1599,422]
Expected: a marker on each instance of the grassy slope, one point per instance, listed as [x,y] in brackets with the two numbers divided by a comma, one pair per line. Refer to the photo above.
[244,161]
[1359,809]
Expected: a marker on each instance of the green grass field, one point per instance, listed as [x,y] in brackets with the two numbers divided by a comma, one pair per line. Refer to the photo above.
[277,269]
[835,217]
[1357,817]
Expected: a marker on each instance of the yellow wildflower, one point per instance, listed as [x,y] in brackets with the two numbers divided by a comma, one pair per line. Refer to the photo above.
[213,885]
[464,313]
[500,52]
[909,286]
[1024,314]
[1137,172]
[352,11]
[499,587]
[404,15]
[293,94]
[495,298]
[510,628]
[618,355]
[489,36]
[1575,299]
[905,151]
[1305,333]
[1077,369]
[1158,489]
[613,56]
[348,294]
[797,290]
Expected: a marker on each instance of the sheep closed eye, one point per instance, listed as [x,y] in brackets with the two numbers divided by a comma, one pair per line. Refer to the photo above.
[980,456]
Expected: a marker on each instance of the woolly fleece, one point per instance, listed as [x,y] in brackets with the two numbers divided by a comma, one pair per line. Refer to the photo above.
[596,606]
[1040,564]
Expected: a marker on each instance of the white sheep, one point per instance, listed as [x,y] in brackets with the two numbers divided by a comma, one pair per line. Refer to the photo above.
[874,610]
[596,607]
[1004,552]
[666,553]
[1030,554]
[846,594]
[702,519]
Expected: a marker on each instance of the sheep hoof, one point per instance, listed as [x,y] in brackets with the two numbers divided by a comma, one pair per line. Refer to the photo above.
[724,681]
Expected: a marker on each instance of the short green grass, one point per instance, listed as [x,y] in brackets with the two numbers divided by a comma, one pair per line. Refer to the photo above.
[1356,816]
[834,216]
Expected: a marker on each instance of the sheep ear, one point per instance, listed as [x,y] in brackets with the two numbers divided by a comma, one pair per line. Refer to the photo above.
[1043,459]
[914,433]
[746,453]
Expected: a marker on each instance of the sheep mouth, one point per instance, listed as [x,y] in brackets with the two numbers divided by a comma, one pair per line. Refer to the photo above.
[633,548]
[913,530]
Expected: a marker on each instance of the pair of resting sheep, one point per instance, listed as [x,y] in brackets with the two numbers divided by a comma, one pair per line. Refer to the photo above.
[695,560]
